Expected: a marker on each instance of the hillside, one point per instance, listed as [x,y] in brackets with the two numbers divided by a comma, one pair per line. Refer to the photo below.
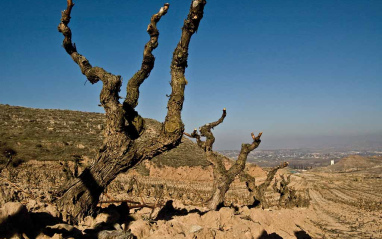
[354,163]
[44,134]
[42,138]
[181,180]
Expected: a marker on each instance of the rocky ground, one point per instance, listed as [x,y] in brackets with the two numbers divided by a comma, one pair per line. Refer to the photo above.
[168,192]
[343,205]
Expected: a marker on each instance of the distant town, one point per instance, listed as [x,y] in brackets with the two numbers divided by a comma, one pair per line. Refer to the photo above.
[301,158]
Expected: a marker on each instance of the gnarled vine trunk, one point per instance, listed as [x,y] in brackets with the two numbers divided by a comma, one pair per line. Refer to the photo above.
[257,192]
[223,178]
[124,145]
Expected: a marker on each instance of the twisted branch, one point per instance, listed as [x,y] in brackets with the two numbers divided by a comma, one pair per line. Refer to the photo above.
[135,121]
[245,150]
[250,181]
[121,150]
[205,131]
[173,124]
[148,59]
[222,177]
[109,96]
[93,74]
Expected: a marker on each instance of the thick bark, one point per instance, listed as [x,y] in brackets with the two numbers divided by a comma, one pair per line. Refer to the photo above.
[288,196]
[173,123]
[221,185]
[285,192]
[223,178]
[123,147]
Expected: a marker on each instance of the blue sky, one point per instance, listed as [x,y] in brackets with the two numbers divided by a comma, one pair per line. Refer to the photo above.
[299,70]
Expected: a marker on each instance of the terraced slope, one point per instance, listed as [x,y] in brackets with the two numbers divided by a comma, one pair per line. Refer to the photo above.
[43,138]
[346,205]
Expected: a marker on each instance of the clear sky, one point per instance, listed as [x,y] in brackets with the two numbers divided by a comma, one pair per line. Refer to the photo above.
[301,71]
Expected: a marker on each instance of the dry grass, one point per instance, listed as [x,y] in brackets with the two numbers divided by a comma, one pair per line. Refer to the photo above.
[40,134]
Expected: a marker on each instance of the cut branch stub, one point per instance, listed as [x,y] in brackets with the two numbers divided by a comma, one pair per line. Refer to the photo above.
[256,138]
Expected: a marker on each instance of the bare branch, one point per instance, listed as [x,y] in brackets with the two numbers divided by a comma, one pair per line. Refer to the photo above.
[121,150]
[188,135]
[245,150]
[133,204]
[216,123]
[222,177]
[93,74]
[148,60]
[173,123]
[19,188]
[271,174]
[135,121]
[196,136]
[173,127]
[205,130]
[109,96]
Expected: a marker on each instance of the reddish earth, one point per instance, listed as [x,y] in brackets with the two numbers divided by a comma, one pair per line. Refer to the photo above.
[345,204]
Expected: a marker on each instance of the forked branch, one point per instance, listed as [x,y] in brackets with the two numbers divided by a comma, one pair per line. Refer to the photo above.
[222,177]
[121,150]
[173,127]
[258,192]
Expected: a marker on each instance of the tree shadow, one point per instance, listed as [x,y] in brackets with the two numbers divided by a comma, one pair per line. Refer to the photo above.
[65,230]
[32,224]
[168,212]
[122,217]
[255,204]
[91,184]
[302,235]
[16,224]
[265,235]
